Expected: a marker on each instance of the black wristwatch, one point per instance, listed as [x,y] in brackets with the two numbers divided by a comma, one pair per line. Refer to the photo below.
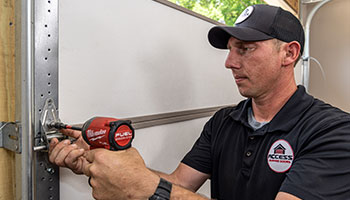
[163,190]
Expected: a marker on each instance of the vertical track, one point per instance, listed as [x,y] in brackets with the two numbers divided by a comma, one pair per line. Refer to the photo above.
[27,98]
[45,84]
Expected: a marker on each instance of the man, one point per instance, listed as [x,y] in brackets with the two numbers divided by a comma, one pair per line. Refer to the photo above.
[280,143]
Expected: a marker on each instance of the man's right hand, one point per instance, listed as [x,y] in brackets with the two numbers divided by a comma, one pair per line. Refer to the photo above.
[65,154]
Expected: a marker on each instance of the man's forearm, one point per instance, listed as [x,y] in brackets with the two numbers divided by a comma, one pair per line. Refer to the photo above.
[167,177]
[178,191]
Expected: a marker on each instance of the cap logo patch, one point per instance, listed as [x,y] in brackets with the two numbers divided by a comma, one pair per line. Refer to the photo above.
[245,14]
[280,156]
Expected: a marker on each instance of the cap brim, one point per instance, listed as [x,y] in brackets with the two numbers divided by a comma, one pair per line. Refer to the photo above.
[219,35]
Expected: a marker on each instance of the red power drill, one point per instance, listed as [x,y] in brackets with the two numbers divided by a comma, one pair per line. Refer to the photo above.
[104,132]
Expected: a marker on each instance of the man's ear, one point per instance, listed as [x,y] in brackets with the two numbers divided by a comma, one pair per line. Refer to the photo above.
[292,51]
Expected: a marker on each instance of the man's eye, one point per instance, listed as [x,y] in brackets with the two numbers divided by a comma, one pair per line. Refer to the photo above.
[244,50]
[248,48]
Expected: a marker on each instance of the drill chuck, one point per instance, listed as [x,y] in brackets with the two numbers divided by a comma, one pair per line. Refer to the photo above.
[60,125]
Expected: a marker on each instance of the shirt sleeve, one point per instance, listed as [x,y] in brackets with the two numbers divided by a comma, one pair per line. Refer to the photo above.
[199,157]
[322,168]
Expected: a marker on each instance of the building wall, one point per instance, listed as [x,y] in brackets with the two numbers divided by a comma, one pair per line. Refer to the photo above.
[7,93]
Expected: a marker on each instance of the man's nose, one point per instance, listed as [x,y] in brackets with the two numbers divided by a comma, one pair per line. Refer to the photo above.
[232,60]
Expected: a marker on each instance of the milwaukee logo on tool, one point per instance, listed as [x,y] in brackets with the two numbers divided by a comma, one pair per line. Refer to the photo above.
[91,133]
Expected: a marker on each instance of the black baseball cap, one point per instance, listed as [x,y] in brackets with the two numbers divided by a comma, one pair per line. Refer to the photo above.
[260,22]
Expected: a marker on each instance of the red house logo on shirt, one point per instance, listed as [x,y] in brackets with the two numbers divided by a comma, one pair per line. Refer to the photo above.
[279,149]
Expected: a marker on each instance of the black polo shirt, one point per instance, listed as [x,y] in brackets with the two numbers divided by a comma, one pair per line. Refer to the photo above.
[304,151]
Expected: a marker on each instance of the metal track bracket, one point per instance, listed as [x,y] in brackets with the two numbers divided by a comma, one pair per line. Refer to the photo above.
[10,136]
[49,115]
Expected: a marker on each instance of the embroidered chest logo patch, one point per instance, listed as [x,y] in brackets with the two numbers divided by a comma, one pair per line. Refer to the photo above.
[280,156]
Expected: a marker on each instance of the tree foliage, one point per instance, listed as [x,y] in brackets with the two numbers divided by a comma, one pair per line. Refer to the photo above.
[224,11]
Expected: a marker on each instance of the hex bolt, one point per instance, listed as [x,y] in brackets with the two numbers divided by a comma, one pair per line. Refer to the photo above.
[50,170]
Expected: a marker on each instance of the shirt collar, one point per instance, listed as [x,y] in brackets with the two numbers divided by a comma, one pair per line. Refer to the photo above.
[286,118]
[240,112]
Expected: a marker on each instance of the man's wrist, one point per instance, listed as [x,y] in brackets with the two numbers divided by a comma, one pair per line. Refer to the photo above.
[163,190]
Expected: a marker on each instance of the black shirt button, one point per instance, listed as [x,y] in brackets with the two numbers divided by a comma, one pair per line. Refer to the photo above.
[248,154]
[251,137]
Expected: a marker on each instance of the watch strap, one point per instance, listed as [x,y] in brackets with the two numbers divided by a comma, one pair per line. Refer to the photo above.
[163,190]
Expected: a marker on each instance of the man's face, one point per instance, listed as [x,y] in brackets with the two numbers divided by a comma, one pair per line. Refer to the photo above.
[256,66]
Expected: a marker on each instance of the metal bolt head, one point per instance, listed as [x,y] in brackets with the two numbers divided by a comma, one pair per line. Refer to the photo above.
[50,170]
